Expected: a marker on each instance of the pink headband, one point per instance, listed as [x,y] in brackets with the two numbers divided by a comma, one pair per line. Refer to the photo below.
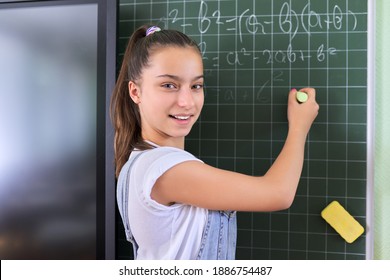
[152,29]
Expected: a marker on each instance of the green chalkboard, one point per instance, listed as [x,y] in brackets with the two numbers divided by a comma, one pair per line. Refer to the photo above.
[254,53]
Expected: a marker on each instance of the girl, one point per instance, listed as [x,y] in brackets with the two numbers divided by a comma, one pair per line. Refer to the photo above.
[173,205]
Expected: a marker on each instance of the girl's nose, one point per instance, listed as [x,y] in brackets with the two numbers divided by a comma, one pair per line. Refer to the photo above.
[185,98]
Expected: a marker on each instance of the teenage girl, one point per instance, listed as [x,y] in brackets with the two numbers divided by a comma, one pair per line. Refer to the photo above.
[173,205]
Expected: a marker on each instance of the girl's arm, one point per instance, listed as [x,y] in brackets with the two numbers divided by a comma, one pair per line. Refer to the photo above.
[199,184]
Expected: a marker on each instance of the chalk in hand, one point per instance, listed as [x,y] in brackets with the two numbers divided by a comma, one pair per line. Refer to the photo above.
[301,96]
[342,221]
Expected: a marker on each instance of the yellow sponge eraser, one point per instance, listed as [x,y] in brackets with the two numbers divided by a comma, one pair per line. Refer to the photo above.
[342,221]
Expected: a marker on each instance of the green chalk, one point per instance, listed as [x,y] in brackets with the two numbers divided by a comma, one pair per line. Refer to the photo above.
[301,96]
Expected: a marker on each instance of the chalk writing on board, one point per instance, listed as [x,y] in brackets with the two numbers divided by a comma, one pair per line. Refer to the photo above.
[290,56]
[286,21]
[290,21]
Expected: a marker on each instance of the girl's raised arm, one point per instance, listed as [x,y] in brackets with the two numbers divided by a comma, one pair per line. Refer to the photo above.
[204,186]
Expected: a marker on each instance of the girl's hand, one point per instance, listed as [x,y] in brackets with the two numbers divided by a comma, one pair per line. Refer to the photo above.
[301,115]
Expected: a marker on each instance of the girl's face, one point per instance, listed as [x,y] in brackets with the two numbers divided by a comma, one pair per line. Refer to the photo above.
[169,95]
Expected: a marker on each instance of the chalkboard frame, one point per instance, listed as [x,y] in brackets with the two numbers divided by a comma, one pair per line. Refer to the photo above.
[370,128]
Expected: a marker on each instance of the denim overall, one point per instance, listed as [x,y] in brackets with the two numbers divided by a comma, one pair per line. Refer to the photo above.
[219,235]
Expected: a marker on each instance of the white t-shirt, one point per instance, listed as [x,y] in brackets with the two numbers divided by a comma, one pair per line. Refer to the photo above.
[162,232]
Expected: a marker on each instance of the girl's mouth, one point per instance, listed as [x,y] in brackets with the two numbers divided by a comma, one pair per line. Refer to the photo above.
[180,117]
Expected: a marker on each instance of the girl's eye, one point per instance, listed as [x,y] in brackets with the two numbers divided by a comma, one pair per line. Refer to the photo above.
[199,86]
[169,86]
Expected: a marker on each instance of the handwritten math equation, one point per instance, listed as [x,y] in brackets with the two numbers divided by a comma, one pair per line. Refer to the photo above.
[286,25]
[286,20]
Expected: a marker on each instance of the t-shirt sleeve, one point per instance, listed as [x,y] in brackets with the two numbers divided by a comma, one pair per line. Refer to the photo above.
[155,163]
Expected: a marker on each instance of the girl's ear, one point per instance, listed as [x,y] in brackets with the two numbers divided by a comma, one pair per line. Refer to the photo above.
[134,92]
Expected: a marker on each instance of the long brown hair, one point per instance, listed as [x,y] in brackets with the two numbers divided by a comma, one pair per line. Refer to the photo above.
[123,111]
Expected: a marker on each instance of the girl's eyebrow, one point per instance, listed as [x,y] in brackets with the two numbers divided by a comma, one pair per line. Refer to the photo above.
[177,78]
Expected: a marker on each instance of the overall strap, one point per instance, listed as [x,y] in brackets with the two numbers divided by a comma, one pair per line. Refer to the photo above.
[219,236]
[123,200]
